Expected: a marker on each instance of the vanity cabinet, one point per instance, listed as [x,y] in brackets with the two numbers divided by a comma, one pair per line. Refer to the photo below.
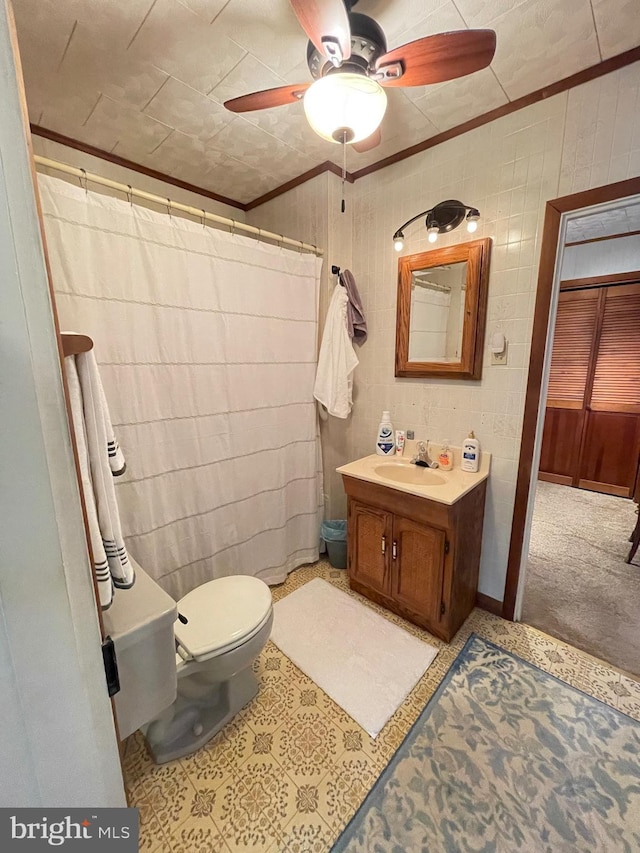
[415,556]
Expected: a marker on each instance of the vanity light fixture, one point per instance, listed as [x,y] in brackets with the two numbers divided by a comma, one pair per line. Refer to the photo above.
[441,219]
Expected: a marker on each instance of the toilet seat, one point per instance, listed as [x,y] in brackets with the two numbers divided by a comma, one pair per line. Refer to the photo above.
[221,615]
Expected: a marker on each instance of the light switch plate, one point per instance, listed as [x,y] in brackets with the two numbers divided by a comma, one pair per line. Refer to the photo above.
[500,357]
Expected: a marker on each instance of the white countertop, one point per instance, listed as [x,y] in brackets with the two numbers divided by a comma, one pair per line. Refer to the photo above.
[445,487]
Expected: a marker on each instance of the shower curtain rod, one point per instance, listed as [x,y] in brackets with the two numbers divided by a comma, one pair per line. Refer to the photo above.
[200,213]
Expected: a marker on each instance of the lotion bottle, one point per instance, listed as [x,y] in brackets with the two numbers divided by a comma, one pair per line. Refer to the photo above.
[470,453]
[385,443]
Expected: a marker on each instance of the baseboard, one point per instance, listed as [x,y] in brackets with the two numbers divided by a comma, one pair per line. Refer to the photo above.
[487,603]
[559,479]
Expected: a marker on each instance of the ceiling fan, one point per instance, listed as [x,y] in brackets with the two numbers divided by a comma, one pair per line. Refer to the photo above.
[348,58]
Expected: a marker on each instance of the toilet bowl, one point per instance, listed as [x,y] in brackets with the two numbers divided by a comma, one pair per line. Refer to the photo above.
[222,627]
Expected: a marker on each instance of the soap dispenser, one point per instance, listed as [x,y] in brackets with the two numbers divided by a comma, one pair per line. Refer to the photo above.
[470,453]
[385,444]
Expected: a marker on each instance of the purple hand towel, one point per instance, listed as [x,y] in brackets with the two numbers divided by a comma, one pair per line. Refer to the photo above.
[356,323]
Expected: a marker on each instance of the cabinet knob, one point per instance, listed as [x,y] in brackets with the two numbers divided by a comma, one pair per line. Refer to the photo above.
[394,550]
[383,545]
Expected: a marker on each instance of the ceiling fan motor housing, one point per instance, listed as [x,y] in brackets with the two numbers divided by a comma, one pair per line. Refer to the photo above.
[368,42]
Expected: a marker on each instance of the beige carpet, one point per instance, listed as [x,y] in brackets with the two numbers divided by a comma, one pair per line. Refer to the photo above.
[578,587]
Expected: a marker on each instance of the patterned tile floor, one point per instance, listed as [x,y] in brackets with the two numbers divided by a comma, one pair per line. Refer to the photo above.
[290,770]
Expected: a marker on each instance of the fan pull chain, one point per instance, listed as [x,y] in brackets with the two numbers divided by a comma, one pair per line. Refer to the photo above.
[344,167]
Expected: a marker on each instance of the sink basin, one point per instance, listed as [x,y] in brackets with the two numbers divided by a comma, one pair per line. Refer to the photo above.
[416,475]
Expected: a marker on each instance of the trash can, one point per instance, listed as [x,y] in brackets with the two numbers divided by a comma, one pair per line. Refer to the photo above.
[334,534]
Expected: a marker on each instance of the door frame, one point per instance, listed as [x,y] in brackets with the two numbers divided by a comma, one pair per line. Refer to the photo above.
[541,340]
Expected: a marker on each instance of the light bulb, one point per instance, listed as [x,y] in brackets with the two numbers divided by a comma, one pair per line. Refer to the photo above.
[472,220]
[398,244]
[432,233]
[345,107]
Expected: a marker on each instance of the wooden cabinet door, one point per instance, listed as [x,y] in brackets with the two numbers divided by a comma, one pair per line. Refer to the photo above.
[417,567]
[369,545]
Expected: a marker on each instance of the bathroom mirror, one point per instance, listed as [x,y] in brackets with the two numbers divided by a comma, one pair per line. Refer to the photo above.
[442,304]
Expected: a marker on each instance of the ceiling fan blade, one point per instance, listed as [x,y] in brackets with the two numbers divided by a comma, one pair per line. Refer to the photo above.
[370,142]
[434,59]
[326,22]
[267,98]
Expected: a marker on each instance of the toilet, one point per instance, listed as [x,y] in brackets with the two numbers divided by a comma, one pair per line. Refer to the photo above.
[220,629]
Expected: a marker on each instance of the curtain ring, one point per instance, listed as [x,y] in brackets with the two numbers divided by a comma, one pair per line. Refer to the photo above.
[259,235]
[130,194]
[233,228]
[203,218]
[169,207]
[281,241]
[301,246]
[84,175]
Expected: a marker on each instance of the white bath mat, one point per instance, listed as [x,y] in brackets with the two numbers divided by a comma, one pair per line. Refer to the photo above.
[365,663]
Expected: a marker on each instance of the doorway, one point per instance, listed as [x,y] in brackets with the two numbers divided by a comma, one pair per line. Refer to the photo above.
[581,429]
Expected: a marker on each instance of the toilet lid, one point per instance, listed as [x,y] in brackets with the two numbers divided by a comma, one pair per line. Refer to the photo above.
[220,613]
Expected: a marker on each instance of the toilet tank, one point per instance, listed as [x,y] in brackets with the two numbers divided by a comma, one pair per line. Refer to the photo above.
[140,623]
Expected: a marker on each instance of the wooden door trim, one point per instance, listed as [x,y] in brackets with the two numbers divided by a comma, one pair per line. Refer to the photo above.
[61,354]
[600,280]
[550,236]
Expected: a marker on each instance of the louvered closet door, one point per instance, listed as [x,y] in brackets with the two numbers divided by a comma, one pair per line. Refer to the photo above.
[573,345]
[611,445]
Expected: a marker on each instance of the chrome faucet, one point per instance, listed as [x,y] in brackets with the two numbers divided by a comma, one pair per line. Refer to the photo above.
[422,457]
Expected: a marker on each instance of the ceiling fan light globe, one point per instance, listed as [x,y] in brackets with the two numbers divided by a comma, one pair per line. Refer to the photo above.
[345,102]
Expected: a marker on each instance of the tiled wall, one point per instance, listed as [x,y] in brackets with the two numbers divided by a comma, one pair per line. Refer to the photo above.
[602,132]
[509,169]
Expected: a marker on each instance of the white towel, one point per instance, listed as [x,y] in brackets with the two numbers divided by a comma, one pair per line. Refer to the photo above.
[100,460]
[337,359]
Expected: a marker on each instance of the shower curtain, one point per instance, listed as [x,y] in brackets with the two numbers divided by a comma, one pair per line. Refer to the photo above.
[206,343]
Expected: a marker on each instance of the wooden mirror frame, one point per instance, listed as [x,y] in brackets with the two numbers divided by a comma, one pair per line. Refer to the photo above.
[476,253]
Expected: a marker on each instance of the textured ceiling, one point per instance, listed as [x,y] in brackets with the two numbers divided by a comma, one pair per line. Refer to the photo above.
[145,79]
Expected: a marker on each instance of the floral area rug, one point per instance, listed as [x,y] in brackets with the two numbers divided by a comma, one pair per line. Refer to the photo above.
[506,757]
